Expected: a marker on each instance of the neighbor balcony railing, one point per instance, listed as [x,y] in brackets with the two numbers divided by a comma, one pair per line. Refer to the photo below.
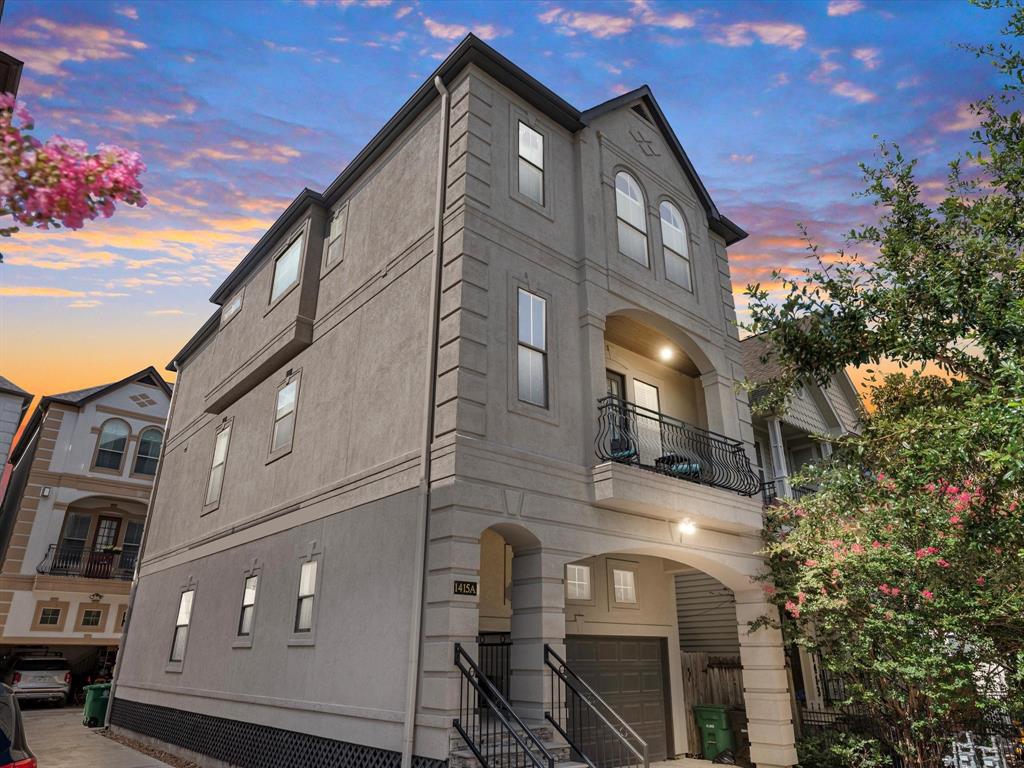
[631,434]
[86,563]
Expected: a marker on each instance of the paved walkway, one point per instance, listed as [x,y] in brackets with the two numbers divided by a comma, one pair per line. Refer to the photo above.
[59,740]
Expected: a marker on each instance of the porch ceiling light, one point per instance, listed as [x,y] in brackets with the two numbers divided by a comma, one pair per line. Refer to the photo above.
[666,353]
[687,527]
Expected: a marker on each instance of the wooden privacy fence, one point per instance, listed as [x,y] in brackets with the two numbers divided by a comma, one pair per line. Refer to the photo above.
[709,679]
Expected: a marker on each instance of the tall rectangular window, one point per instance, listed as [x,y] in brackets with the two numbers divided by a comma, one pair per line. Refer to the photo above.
[624,583]
[286,270]
[220,457]
[533,349]
[531,164]
[307,593]
[577,582]
[181,625]
[284,415]
[248,606]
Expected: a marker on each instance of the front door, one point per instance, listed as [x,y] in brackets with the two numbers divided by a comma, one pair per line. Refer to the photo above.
[648,417]
[631,674]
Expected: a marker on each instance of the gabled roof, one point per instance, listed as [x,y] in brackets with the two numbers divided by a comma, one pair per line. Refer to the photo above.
[760,367]
[80,397]
[472,50]
[8,387]
[718,223]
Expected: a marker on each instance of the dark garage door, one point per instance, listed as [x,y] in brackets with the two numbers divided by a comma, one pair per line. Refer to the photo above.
[628,673]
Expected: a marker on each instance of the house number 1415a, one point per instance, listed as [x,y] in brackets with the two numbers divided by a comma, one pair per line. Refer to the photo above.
[465,588]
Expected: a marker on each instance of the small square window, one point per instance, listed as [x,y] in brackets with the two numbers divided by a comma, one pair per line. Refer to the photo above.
[49,617]
[91,617]
[231,309]
[624,583]
[577,582]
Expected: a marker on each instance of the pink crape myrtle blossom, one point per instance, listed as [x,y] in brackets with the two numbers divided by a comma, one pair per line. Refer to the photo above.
[59,182]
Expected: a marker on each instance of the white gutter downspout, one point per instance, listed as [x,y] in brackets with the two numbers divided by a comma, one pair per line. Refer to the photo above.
[419,573]
[138,558]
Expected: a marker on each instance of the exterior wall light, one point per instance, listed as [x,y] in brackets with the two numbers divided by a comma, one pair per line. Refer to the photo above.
[45,493]
[666,353]
[687,527]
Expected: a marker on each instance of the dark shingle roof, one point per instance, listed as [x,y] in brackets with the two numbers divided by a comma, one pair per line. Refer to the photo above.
[8,386]
[753,348]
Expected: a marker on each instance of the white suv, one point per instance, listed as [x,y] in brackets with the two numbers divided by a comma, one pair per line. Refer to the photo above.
[39,678]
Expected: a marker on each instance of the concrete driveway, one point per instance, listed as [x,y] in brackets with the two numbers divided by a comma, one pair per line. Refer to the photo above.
[59,740]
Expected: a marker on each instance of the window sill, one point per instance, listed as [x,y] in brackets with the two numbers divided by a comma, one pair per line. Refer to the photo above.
[174,667]
[288,292]
[279,454]
[242,642]
[532,411]
[301,642]
[208,508]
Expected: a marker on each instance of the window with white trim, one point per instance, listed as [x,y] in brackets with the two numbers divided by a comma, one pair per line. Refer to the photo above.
[148,453]
[307,594]
[284,415]
[248,606]
[624,584]
[577,582]
[531,164]
[220,457]
[631,216]
[286,270]
[231,309]
[113,441]
[181,625]
[676,246]
[533,349]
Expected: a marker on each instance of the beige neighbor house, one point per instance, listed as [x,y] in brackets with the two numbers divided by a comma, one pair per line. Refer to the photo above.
[434,462]
[72,518]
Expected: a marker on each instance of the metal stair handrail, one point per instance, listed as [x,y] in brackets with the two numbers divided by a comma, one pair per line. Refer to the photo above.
[601,709]
[490,699]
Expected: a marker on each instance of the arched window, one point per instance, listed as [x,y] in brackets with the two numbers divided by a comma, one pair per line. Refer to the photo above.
[676,246]
[112,443]
[149,451]
[631,213]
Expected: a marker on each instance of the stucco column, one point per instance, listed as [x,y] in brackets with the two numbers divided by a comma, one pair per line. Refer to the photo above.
[782,486]
[720,402]
[594,381]
[538,617]
[765,685]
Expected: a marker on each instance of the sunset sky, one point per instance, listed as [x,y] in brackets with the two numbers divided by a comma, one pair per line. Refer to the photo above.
[236,106]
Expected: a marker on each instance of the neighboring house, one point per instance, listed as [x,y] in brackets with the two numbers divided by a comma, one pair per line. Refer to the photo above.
[384,466]
[72,519]
[785,443]
[14,403]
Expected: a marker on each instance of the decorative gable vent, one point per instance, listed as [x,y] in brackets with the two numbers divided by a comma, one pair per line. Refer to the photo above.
[143,401]
[641,110]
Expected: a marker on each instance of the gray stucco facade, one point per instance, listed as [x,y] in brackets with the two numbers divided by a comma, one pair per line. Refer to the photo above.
[356,332]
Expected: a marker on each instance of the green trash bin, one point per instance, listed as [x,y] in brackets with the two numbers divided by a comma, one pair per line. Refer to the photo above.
[96,698]
[716,733]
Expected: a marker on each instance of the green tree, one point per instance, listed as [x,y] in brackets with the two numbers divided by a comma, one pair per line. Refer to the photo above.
[906,569]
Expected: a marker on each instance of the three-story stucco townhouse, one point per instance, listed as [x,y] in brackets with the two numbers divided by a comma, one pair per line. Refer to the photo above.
[435,460]
[72,518]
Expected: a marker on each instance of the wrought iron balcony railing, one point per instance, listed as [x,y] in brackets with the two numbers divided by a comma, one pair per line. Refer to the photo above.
[83,562]
[631,434]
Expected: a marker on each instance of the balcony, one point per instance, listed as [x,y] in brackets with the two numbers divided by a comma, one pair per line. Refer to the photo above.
[630,434]
[77,561]
[647,453]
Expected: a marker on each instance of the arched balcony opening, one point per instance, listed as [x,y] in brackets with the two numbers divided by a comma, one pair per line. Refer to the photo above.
[657,406]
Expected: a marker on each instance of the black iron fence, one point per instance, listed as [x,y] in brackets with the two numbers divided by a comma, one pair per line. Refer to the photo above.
[83,562]
[631,434]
